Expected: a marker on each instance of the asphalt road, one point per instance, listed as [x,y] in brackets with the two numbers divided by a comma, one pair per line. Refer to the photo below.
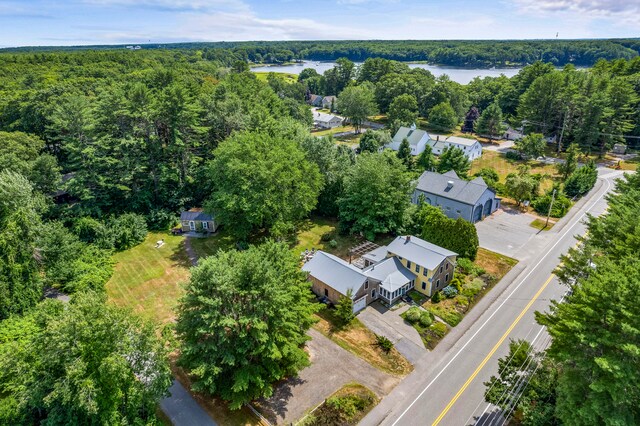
[446,386]
[183,410]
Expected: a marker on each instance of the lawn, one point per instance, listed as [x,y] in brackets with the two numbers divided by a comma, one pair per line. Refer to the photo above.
[541,224]
[504,166]
[208,246]
[287,77]
[327,132]
[148,279]
[359,340]
[345,407]
[310,234]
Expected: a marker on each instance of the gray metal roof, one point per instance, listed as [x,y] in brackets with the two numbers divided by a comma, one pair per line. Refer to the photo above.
[463,191]
[391,273]
[335,272]
[195,215]
[419,251]
[455,140]
[376,255]
[414,136]
[325,118]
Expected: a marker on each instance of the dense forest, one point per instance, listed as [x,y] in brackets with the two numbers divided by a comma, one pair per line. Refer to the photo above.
[461,53]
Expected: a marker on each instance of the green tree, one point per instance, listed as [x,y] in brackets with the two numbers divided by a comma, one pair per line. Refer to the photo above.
[376,195]
[490,122]
[582,180]
[373,140]
[339,77]
[128,230]
[344,309]
[243,322]
[521,186]
[457,235]
[443,117]
[427,160]
[86,362]
[453,158]
[261,182]
[403,110]
[490,177]
[404,153]
[357,103]
[570,163]
[531,146]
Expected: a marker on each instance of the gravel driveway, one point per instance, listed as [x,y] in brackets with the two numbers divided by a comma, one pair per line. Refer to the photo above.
[507,232]
[331,368]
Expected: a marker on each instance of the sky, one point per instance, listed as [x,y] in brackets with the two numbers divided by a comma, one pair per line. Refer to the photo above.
[81,22]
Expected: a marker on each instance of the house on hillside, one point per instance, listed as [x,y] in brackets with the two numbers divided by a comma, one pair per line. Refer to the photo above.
[419,139]
[330,101]
[405,264]
[315,100]
[196,220]
[512,134]
[326,121]
[471,200]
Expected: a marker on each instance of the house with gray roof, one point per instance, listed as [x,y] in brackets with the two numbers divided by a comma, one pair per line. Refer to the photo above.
[326,121]
[315,100]
[471,200]
[419,139]
[390,272]
[196,220]
[330,102]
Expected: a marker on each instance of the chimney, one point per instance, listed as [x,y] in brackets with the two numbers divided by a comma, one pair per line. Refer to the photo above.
[408,238]
[450,184]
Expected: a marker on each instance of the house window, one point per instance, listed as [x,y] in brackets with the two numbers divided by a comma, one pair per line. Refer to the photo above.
[440,268]
[205,225]
[326,292]
[373,293]
[366,285]
[425,271]
[447,268]
[437,283]
[408,265]
[192,225]
[446,278]
[424,286]
[417,268]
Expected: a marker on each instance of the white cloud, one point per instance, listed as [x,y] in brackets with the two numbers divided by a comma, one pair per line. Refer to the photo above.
[176,5]
[625,10]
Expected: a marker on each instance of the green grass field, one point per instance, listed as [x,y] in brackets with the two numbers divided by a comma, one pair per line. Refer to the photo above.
[148,279]
[504,166]
[289,78]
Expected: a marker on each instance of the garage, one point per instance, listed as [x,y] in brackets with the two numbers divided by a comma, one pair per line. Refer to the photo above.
[360,304]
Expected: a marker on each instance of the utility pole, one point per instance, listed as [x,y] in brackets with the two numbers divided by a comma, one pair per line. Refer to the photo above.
[564,122]
[553,197]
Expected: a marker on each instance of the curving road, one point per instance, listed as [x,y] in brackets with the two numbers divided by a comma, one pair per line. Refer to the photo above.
[446,387]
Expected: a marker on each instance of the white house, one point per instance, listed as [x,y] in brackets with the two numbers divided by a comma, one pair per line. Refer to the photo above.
[471,147]
[326,121]
[419,139]
[329,101]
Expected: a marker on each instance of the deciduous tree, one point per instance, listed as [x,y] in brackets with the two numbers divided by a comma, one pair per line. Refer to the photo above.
[357,103]
[443,117]
[490,122]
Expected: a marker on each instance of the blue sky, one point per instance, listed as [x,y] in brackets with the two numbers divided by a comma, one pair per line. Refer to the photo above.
[75,22]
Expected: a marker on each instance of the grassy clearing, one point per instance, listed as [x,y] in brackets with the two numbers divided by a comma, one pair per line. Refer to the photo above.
[540,224]
[327,132]
[208,246]
[359,340]
[286,77]
[310,234]
[503,166]
[345,407]
[148,279]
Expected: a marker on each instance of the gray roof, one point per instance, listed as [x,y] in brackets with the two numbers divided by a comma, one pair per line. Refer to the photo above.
[419,251]
[195,215]
[463,191]
[414,136]
[325,118]
[391,273]
[335,272]
[456,140]
[376,255]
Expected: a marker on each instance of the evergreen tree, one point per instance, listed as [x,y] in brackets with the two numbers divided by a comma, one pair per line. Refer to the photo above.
[453,158]
[490,122]
[243,322]
[426,160]
[570,163]
[404,153]
[470,120]
[344,309]
[582,180]
[521,186]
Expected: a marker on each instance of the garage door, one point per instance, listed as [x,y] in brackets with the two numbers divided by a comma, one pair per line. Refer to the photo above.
[360,304]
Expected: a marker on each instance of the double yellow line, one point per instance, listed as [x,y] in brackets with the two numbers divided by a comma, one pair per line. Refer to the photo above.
[490,354]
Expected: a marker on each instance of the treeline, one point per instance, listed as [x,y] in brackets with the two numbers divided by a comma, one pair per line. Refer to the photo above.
[465,53]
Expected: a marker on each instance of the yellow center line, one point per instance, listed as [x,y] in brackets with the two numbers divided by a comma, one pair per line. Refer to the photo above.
[490,354]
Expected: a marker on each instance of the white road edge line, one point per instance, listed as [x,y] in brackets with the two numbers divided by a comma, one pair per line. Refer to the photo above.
[503,302]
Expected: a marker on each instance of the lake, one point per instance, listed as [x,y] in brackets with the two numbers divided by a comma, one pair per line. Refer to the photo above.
[460,75]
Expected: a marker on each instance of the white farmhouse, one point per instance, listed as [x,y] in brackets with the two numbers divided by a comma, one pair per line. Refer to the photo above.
[326,121]
[419,139]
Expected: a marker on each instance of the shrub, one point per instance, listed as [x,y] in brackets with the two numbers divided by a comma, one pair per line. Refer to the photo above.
[328,236]
[457,283]
[413,314]
[561,205]
[344,310]
[449,291]
[469,268]
[333,244]
[474,287]
[128,230]
[161,219]
[93,231]
[439,329]
[426,319]
[581,181]
[384,343]
[513,155]
[436,297]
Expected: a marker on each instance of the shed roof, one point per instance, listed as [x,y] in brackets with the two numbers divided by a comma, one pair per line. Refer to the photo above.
[391,273]
[419,251]
[463,191]
[195,214]
[335,272]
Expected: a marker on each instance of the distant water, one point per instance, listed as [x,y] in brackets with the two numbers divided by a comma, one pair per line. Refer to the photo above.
[460,75]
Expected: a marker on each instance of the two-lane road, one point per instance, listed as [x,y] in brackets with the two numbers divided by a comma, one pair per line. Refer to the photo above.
[446,386]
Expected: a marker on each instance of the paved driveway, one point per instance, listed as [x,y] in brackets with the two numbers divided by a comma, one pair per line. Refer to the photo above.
[183,410]
[507,232]
[390,324]
[331,368]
